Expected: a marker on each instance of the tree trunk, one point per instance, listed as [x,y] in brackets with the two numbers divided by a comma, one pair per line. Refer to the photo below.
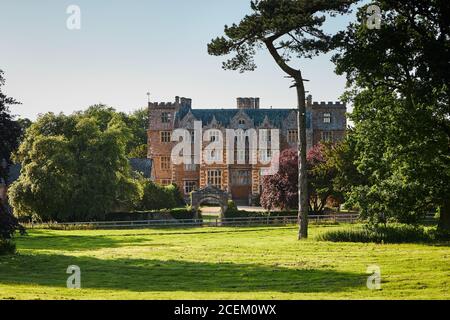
[444,219]
[303,203]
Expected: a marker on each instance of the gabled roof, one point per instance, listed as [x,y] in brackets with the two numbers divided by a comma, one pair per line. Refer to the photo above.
[143,166]
[224,116]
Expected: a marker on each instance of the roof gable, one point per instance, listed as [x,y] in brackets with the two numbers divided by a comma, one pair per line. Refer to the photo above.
[225,116]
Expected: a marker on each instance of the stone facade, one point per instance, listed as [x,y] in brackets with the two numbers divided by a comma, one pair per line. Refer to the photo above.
[325,121]
[209,195]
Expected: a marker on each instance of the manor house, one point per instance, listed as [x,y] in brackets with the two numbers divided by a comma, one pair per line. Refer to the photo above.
[326,121]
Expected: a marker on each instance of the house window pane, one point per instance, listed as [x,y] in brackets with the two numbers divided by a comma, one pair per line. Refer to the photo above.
[165,117]
[190,167]
[265,135]
[240,155]
[215,178]
[166,182]
[165,163]
[327,136]
[327,118]
[189,186]
[292,136]
[265,154]
[165,136]
[240,178]
[214,135]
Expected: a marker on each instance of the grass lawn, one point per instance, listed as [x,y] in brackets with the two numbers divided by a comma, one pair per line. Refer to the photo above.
[218,263]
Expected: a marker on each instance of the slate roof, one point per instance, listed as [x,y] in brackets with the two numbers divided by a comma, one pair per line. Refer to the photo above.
[224,116]
[143,166]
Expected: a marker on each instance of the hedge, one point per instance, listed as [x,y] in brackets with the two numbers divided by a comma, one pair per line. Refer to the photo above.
[175,213]
[233,212]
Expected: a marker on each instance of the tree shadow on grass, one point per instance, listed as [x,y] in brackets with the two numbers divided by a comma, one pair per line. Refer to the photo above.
[44,241]
[142,275]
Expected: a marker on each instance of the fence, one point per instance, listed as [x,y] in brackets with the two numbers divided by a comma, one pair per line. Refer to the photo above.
[206,222]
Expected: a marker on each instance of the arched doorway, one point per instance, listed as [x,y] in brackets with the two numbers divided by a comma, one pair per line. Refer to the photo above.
[211,195]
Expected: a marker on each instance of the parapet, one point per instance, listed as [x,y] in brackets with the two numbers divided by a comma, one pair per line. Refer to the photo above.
[329,104]
[179,102]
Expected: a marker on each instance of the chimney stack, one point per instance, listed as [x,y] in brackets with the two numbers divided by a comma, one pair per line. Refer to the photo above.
[309,100]
[247,103]
[186,102]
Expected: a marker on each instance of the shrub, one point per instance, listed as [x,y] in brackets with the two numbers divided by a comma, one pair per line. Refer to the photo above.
[394,233]
[157,197]
[153,197]
[175,196]
[233,212]
[161,214]
[232,209]
[182,213]
[8,227]
[256,200]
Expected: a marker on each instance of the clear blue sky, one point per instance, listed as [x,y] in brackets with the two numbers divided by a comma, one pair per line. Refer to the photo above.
[126,48]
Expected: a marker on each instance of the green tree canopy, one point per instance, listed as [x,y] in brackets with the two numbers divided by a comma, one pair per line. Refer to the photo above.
[398,79]
[73,168]
[136,122]
[10,129]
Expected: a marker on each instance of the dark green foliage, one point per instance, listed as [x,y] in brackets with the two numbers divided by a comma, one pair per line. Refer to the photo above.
[8,227]
[234,212]
[399,84]
[176,213]
[182,213]
[10,130]
[136,123]
[256,200]
[74,168]
[295,25]
[393,233]
[7,247]
[232,209]
[157,197]
[10,134]
[175,195]
[8,224]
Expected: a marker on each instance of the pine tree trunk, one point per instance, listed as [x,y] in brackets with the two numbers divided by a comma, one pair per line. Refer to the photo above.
[303,203]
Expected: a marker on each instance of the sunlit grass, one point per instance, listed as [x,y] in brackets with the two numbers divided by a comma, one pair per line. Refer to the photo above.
[218,263]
